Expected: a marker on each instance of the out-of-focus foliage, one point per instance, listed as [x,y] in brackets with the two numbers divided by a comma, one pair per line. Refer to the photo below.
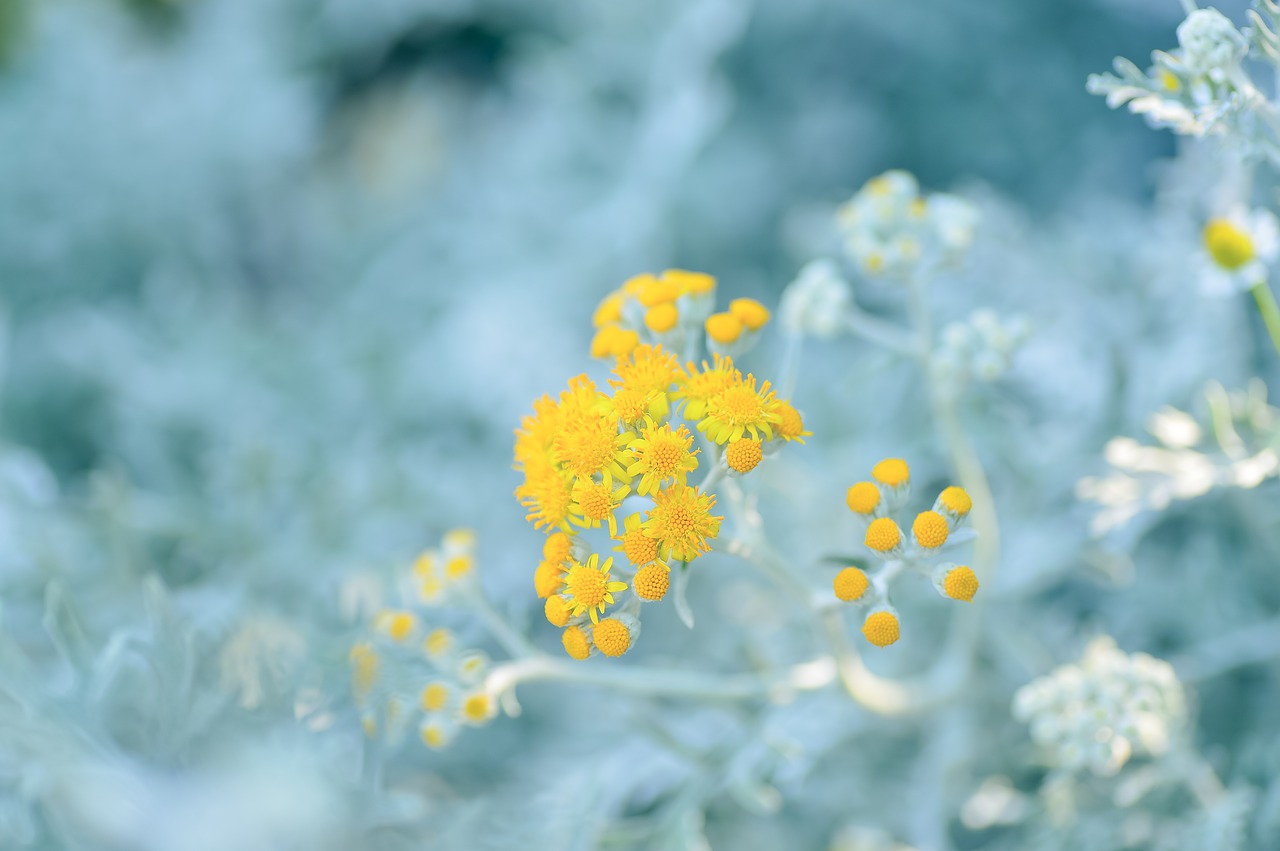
[278,278]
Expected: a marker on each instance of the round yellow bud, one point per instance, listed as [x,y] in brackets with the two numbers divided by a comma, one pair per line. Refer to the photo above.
[661,318]
[1229,246]
[478,708]
[930,529]
[438,642]
[863,498]
[652,581]
[891,472]
[609,312]
[575,643]
[743,454]
[611,637]
[790,425]
[434,697]
[724,328]
[882,535]
[881,628]
[961,583]
[850,584]
[659,291]
[557,547]
[750,312]
[955,500]
[434,735]
[547,579]
[557,610]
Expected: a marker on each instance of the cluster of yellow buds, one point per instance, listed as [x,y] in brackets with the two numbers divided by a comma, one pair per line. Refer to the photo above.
[873,502]
[403,670]
[672,309]
[590,455]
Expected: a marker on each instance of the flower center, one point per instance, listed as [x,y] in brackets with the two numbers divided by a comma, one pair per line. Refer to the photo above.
[639,547]
[1229,246]
[741,404]
[586,586]
[630,405]
[595,500]
[663,457]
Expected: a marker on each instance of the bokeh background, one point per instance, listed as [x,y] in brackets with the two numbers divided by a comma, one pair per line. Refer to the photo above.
[279,277]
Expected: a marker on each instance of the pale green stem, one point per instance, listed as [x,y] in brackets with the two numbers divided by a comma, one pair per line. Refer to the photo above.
[1270,311]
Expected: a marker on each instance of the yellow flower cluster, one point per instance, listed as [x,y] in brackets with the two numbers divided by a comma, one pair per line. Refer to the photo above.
[593,447]
[399,653]
[873,501]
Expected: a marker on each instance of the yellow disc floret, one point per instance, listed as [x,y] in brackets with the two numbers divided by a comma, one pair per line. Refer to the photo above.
[652,581]
[881,628]
[1228,245]
[478,708]
[661,318]
[882,535]
[743,454]
[961,583]
[557,610]
[611,637]
[724,328]
[556,548]
[588,587]
[661,456]
[863,498]
[681,522]
[891,471]
[575,643]
[434,697]
[930,529]
[638,547]
[750,313]
[850,584]
[547,579]
[955,500]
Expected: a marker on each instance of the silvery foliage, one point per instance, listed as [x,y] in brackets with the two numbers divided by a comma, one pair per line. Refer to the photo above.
[276,295]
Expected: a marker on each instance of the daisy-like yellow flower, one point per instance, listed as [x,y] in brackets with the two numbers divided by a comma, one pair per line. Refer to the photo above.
[647,369]
[594,503]
[632,407]
[661,456]
[697,386]
[589,588]
[790,425]
[681,522]
[741,408]
[537,433]
[547,494]
[638,547]
[589,444]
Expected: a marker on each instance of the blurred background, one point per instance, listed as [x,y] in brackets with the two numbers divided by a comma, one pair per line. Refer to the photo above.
[279,277]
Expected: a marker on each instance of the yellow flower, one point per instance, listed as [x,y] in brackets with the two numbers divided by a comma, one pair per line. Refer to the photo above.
[611,637]
[478,708]
[960,583]
[724,328]
[633,406]
[638,547]
[930,529]
[537,433]
[658,291]
[1228,245]
[548,578]
[557,610]
[749,312]
[594,503]
[850,584]
[556,549]
[740,408]
[610,310]
[438,643]
[547,493]
[881,628]
[647,369]
[397,625]
[790,424]
[681,522]
[613,341]
[435,696]
[954,502]
[589,589]
[459,566]
[364,670]
[576,643]
[661,318]
[435,735]
[742,455]
[661,456]
[690,283]
[698,386]
[652,581]
[883,535]
[589,444]
[892,472]
[863,498]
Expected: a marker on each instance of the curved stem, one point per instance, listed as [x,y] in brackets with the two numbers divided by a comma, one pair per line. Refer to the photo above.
[1266,301]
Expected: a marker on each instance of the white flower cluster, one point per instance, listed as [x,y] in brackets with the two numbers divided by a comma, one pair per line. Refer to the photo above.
[980,347]
[1106,708]
[891,230]
[817,302]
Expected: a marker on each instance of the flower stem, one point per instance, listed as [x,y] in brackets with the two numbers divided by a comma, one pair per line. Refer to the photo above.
[1270,311]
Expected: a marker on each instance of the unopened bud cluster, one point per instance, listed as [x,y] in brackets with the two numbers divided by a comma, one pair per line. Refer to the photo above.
[874,502]
[1110,706]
